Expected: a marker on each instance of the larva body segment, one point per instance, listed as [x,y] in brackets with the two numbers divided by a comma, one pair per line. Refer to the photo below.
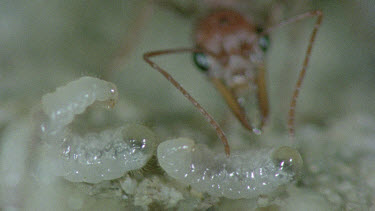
[107,155]
[243,175]
[93,157]
[62,105]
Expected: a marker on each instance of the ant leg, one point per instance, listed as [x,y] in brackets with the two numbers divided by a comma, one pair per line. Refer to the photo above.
[209,118]
[262,95]
[301,76]
[240,113]
[302,73]
[231,100]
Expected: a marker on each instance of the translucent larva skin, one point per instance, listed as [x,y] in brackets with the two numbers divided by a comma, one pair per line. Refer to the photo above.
[107,155]
[93,157]
[243,175]
[67,101]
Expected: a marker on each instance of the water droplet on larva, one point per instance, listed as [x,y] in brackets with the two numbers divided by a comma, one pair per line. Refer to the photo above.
[141,137]
[288,160]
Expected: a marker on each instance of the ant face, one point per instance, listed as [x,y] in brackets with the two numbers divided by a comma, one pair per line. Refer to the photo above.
[235,47]
[231,50]
[235,52]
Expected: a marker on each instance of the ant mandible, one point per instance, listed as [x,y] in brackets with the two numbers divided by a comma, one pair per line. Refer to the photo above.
[231,50]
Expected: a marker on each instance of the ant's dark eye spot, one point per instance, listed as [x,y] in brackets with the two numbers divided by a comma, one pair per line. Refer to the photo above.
[223,20]
[200,59]
[264,42]
[259,29]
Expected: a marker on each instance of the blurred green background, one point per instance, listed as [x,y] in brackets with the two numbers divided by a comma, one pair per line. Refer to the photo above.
[46,44]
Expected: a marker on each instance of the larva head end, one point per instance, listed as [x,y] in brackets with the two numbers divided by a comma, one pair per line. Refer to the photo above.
[288,160]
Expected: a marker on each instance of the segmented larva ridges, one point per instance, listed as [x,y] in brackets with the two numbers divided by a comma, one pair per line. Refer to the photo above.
[67,101]
[243,175]
[93,157]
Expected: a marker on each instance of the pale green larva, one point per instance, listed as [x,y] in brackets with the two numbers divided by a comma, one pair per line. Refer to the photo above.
[243,175]
[67,101]
[107,155]
[93,157]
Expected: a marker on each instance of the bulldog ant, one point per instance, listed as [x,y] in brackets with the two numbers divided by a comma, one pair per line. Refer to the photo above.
[230,49]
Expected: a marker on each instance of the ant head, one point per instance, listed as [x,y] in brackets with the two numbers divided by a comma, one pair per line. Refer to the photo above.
[224,33]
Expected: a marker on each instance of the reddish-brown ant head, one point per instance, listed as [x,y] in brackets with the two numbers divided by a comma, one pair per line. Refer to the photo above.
[233,45]
[231,50]
[225,33]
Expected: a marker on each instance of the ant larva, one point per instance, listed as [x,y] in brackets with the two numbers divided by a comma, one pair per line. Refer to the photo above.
[245,174]
[95,156]
[230,49]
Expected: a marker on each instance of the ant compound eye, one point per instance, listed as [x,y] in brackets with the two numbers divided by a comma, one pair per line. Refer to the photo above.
[200,59]
[264,43]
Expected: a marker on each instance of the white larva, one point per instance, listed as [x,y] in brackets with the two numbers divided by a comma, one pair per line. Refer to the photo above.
[243,175]
[62,105]
[93,157]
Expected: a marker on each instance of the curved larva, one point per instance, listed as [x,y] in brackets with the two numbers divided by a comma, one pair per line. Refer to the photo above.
[93,157]
[243,175]
[106,155]
[62,105]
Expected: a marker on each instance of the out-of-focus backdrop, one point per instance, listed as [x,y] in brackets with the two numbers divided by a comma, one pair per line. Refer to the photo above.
[46,44]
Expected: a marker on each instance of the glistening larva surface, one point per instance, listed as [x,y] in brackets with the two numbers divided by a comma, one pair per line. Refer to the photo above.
[67,101]
[107,155]
[93,157]
[243,175]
